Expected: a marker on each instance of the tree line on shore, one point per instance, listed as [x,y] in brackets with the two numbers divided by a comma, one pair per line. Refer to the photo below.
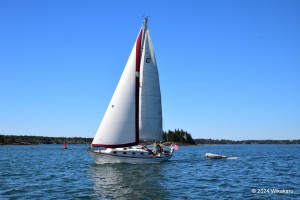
[180,137]
[29,140]
[222,141]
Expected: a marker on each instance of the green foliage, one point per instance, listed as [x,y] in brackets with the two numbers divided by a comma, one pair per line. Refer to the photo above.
[28,140]
[211,141]
[179,136]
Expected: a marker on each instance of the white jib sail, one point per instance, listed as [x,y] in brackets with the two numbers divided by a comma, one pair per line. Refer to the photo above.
[118,124]
[150,98]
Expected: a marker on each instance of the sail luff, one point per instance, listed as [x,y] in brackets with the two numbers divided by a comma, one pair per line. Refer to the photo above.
[137,86]
[139,50]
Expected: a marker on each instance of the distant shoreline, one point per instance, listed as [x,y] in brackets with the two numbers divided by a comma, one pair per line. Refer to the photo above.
[211,141]
[35,140]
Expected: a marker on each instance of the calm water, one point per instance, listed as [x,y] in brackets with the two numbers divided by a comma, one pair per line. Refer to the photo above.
[49,172]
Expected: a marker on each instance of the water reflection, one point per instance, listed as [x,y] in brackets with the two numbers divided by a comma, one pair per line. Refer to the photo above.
[129,181]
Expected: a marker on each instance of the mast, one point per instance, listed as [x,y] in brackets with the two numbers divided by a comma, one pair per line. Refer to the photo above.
[139,49]
[144,31]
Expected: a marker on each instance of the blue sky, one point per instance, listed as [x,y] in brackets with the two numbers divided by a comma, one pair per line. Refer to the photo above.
[228,69]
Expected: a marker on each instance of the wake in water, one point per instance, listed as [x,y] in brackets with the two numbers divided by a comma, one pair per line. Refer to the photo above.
[232,158]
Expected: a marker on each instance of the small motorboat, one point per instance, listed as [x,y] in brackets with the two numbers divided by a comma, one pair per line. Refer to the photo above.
[215,156]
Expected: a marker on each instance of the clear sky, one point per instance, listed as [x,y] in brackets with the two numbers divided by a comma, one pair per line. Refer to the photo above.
[228,69]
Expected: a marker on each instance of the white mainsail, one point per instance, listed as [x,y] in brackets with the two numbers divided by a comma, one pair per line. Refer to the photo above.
[150,97]
[118,126]
[135,110]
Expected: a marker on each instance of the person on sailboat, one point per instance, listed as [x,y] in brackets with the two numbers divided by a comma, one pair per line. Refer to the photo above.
[160,147]
[155,148]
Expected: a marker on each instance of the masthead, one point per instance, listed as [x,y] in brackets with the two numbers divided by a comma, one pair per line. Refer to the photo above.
[145,21]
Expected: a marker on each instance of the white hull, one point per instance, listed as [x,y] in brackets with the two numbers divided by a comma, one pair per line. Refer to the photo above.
[215,156]
[128,155]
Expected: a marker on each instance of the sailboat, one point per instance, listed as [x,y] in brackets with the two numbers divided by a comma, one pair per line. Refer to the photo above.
[134,113]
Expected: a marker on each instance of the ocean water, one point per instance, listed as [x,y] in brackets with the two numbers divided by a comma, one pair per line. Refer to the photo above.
[252,172]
